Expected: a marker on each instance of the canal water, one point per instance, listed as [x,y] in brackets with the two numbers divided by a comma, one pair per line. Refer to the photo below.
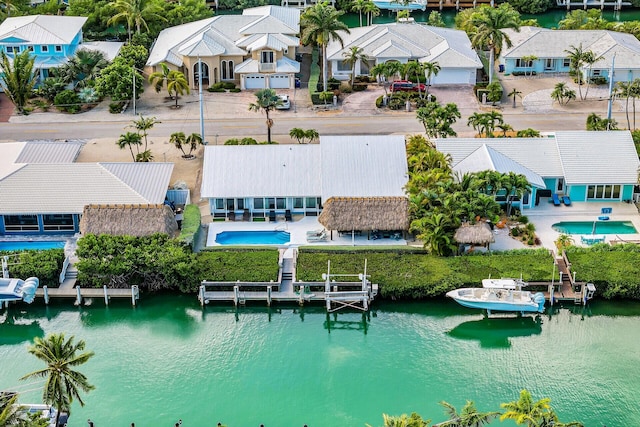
[169,359]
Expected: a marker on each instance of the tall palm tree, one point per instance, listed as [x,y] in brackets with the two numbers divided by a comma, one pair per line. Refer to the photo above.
[436,231]
[63,384]
[431,69]
[321,24]
[178,139]
[135,13]
[10,6]
[623,90]
[130,139]
[177,84]
[489,23]
[159,78]
[513,94]
[18,78]
[9,410]
[351,57]
[266,101]
[84,66]
[193,140]
[371,10]
[468,417]
[576,56]
[525,410]
[143,125]
[358,6]
[516,185]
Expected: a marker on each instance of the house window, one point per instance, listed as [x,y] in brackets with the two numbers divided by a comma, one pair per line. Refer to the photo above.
[230,204]
[609,191]
[549,64]
[60,222]
[20,223]
[521,63]
[266,57]
[298,203]
[30,48]
[44,48]
[560,186]
[258,203]
[230,65]
[219,204]
[223,69]
[240,204]
[281,203]
[344,66]
[58,48]
[566,63]
[596,73]
[13,49]
[271,203]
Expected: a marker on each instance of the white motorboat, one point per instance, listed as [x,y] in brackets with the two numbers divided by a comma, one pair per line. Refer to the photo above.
[12,289]
[500,295]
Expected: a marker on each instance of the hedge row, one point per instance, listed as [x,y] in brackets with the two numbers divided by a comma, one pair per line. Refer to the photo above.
[190,224]
[45,265]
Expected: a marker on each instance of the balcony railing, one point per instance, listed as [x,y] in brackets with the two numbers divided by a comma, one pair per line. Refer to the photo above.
[266,67]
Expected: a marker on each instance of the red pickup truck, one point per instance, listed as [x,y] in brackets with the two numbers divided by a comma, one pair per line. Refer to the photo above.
[407,86]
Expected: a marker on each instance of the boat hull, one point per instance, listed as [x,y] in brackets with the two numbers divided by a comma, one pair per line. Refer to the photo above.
[500,301]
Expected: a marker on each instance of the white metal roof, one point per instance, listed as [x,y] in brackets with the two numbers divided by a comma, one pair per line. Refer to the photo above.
[67,188]
[261,170]
[581,157]
[289,15]
[9,152]
[49,152]
[408,40]
[363,166]
[41,29]
[109,49]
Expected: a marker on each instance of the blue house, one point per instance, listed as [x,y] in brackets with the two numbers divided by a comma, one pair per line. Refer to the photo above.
[586,166]
[544,51]
[44,192]
[53,40]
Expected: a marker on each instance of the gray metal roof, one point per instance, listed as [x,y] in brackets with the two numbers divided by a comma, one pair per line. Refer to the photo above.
[363,166]
[261,170]
[68,187]
[42,29]
[581,157]
[49,152]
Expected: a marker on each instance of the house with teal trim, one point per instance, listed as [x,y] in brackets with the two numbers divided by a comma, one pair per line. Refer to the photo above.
[549,48]
[44,192]
[53,40]
[586,166]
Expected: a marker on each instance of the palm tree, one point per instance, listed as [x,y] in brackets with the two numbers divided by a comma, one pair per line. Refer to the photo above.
[177,83]
[193,141]
[468,417]
[266,101]
[436,230]
[431,69]
[438,120]
[135,12]
[562,94]
[516,185]
[525,410]
[9,410]
[142,125]
[10,5]
[589,59]
[18,78]
[321,24]
[371,10]
[178,139]
[513,94]
[130,139]
[359,6]
[83,67]
[351,57]
[489,23]
[382,72]
[623,89]
[577,60]
[62,384]
[159,78]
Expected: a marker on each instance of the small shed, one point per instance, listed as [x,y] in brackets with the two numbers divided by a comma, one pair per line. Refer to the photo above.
[365,213]
[128,220]
[478,234]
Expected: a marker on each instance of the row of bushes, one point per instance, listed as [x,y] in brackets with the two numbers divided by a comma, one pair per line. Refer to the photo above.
[398,100]
[523,73]
[45,265]
[223,87]
[190,224]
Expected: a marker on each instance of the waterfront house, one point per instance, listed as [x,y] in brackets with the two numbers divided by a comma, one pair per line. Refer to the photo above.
[53,40]
[45,192]
[586,166]
[404,42]
[549,48]
[255,50]
[250,182]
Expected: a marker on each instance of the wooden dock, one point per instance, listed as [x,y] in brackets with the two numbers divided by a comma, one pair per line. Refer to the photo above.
[566,288]
[85,294]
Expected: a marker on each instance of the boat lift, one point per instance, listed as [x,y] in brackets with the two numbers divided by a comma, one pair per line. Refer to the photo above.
[358,299]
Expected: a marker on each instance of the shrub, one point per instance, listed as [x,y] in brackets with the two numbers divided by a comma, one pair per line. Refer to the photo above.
[216,89]
[235,90]
[523,219]
[190,224]
[45,265]
[380,100]
[494,92]
[39,103]
[51,86]
[333,84]
[515,231]
[523,73]
[396,103]
[229,85]
[598,80]
[67,101]
[232,141]
[248,141]
[116,107]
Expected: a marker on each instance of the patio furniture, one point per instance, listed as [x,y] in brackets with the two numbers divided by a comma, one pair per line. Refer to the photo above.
[592,240]
[315,232]
[272,216]
[246,215]
[317,238]
[566,200]
[603,218]
[606,210]
[287,215]
[231,216]
[555,199]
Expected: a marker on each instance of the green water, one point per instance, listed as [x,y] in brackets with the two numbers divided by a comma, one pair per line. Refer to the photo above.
[169,359]
[548,19]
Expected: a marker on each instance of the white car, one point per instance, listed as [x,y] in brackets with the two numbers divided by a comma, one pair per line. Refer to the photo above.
[285,104]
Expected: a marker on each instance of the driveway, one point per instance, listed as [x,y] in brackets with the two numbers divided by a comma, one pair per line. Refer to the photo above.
[6,108]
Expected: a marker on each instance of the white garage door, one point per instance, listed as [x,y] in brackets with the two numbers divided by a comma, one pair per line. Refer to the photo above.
[254,82]
[279,81]
[459,76]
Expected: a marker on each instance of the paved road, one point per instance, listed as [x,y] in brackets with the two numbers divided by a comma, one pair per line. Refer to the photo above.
[255,125]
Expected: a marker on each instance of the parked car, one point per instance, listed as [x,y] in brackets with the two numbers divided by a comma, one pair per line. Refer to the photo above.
[407,86]
[285,104]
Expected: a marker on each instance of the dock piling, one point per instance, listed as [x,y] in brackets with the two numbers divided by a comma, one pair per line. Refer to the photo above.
[78,296]
[269,296]
[45,289]
[106,295]
[135,294]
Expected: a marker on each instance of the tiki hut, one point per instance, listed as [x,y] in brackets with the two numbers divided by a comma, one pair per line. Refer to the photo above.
[365,213]
[478,234]
[128,220]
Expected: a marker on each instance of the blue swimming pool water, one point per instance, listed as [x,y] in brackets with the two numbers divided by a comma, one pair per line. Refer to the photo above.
[601,227]
[253,238]
[36,245]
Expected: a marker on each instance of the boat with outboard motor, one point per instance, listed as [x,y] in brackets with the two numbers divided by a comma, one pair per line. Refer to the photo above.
[500,295]
[12,289]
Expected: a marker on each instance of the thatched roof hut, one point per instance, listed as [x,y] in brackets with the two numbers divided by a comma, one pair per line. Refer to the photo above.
[478,234]
[365,213]
[128,220]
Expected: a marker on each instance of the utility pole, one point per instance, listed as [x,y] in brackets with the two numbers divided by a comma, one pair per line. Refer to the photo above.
[200,98]
[134,88]
[613,62]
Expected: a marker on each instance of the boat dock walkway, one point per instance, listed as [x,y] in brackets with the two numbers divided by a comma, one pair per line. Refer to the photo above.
[566,288]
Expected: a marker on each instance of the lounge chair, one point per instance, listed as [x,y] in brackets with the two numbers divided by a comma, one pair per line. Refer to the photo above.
[606,210]
[246,215]
[272,216]
[317,237]
[566,200]
[555,199]
[315,232]
[231,215]
[287,215]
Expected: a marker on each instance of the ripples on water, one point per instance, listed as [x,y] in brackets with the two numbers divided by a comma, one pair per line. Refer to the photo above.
[168,359]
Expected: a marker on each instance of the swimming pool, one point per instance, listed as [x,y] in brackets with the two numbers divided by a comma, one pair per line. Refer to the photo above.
[253,238]
[601,227]
[33,245]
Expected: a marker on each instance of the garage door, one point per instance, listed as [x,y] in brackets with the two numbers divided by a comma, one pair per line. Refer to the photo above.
[279,81]
[455,76]
[254,82]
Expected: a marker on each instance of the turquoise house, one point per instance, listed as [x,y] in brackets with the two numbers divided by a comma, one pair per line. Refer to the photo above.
[586,166]
[544,51]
